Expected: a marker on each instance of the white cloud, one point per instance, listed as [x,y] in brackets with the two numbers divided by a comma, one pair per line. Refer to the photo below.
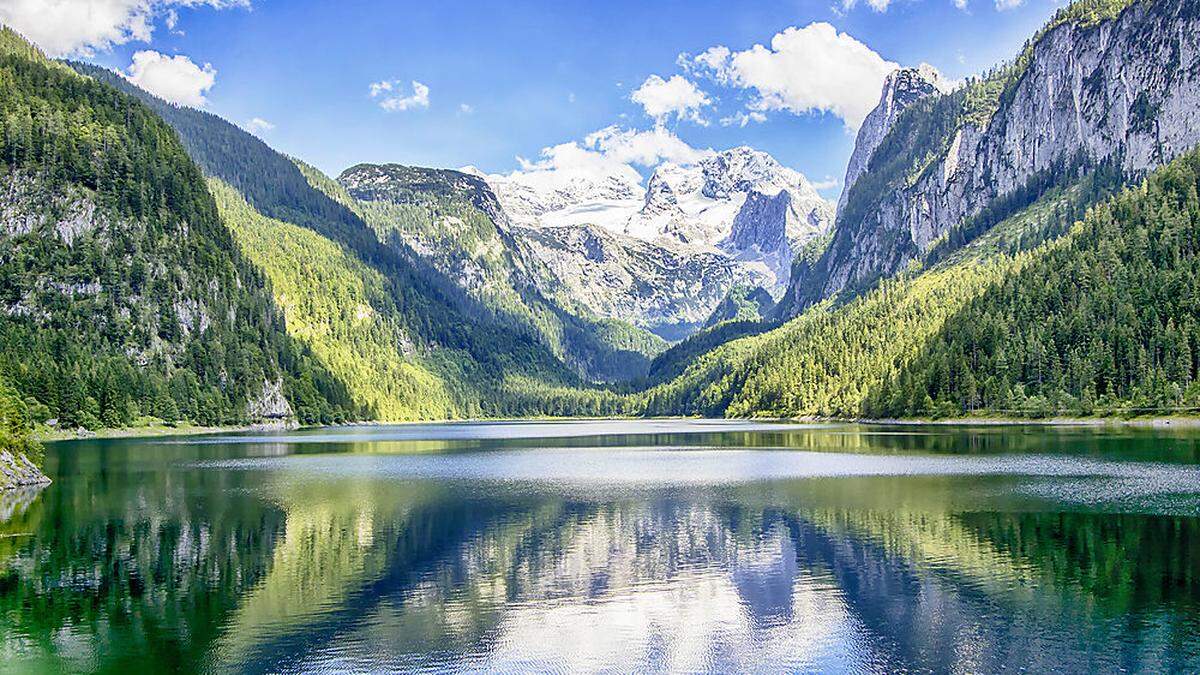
[677,96]
[62,27]
[961,4]
[174,78]
[828,184]
[1003,5]
[466,109]
[741,118]
[712,58]
[645,148]
[609,152]
[877,5]
[257,125]
[805,70]
[391,97]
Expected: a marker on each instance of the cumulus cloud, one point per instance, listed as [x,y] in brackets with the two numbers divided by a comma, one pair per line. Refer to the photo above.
[608,153]
[1003,5]
[62,27]
[646,148]
[174,78]
[828,184]
[391,97]
[805,70]
[676,96]
[712,58]
[257,125]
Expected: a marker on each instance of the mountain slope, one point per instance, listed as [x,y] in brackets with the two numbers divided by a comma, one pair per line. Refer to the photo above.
[433,310]
[1106,320]
[743,303]
[663,290]
[665,254]
[1105,81]
[831,358]
[351,323]
[453,221]
[123,295]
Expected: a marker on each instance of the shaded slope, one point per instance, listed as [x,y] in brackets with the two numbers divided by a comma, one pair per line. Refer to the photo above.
[123,296]
[351,324]
[456,224]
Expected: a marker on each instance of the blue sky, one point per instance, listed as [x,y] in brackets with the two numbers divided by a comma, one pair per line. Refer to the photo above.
[507,79]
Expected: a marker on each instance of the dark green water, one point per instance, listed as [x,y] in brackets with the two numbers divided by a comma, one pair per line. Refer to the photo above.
[615,546]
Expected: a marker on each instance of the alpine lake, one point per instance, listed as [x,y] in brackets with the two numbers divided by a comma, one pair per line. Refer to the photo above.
[613,545]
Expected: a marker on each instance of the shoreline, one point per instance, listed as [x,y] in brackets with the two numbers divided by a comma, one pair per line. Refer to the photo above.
[60,435]
[1094,422]
[56,436]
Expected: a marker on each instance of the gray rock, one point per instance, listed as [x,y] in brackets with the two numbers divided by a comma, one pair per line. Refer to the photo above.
[1127,88]
[270,404]
[16,471]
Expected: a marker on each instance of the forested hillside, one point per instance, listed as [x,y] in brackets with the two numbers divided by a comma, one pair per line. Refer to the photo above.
[341,309]
[124,298]
[445,329]
[454,222]
[832,358]
[1104,321]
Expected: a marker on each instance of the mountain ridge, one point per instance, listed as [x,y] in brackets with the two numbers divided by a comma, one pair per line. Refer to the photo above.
[1126,94]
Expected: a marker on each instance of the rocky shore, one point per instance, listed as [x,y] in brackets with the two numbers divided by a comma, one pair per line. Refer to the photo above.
[16,471]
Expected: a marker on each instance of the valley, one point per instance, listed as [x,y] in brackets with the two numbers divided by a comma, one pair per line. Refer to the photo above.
[1018,244]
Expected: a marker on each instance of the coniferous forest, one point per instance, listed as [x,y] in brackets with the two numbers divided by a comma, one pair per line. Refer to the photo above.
[163,266]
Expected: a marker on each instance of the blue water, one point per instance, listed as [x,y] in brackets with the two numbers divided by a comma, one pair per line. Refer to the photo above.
[682,546]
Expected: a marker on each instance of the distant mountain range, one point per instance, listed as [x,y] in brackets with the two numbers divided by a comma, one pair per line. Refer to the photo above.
[665,253]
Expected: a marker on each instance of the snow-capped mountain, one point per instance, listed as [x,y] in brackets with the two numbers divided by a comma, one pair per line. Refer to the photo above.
[735,216]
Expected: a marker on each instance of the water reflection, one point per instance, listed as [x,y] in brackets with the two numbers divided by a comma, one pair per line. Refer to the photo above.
[260,556]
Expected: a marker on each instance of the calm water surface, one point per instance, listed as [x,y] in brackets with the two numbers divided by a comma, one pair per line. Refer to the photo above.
[614,546]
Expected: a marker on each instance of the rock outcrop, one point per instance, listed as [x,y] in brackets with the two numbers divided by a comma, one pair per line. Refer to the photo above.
[901,89]
[16,471]
[1090,88]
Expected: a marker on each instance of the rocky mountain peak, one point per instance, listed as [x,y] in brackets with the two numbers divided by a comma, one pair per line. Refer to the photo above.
[660,196]
[901,89]
[1113,84]
[744,169]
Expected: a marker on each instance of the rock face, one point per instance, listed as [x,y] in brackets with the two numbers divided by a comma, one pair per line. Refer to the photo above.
[901,89]
[16,471]
[619,276]
[665,255]
[270,406]
[1123,89]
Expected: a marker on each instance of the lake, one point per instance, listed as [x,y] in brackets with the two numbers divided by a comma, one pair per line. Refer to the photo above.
[610,545]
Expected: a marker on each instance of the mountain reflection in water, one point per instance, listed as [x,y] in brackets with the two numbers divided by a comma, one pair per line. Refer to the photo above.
[690,547]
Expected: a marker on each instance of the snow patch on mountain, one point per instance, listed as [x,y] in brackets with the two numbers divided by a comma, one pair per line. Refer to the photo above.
[709,209]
